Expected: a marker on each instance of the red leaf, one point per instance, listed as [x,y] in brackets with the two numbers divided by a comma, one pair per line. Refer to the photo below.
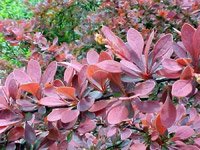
[69,115]
[92,57]
[3,128]
[51,102]
[34,70]
[99,105]
[182,88]
[144,88]
[104,56]
[196,44]
[110,66]
[69,92]
[187,32]
[160,128]
[168,113]
[31,88]
[117,114]
[187,73]
[183,132]
[135,41]
[15,134]
[49,73]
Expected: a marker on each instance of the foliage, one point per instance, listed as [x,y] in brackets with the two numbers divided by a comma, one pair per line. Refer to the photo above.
[104,101]
[14,10]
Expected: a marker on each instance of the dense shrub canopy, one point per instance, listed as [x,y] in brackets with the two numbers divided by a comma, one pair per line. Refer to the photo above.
[137,88]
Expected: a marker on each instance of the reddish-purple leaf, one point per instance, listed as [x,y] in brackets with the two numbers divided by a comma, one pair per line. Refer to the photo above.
[187,73]
[85,103]
[130,66]
[3,103]
[3,128]
[147,47]
[55,115]
[168,113]
[13,88]
[196,45]
[184,132]
[144,88]
[51,102]
[179,51]
[15,134]
[110,66]
[49,73]
[182,88]
[147,106]
[21,76]
[125,134]
[117,114]
[99,105]
[118,46]
[138,146]
[29,134]
[162,46]
[172,65]
[34,70]
[86,126]
[187,32]
[92,57]
[135,41]
[104,56]
[69,115]
[169,74]
[68,75]
[69,92]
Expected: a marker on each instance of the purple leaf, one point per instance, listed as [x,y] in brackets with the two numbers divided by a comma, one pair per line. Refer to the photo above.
[184,132]
[162,46]
[182,88]
[52,101]
[69,115]
[168,113]
[172,65]
[34,70]
[135,41]
[144,88]
[49,73]
[85,103]
[29,134]
[187,32]
[117,114]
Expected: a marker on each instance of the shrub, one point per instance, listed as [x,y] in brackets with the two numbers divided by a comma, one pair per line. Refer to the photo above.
[102,103]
